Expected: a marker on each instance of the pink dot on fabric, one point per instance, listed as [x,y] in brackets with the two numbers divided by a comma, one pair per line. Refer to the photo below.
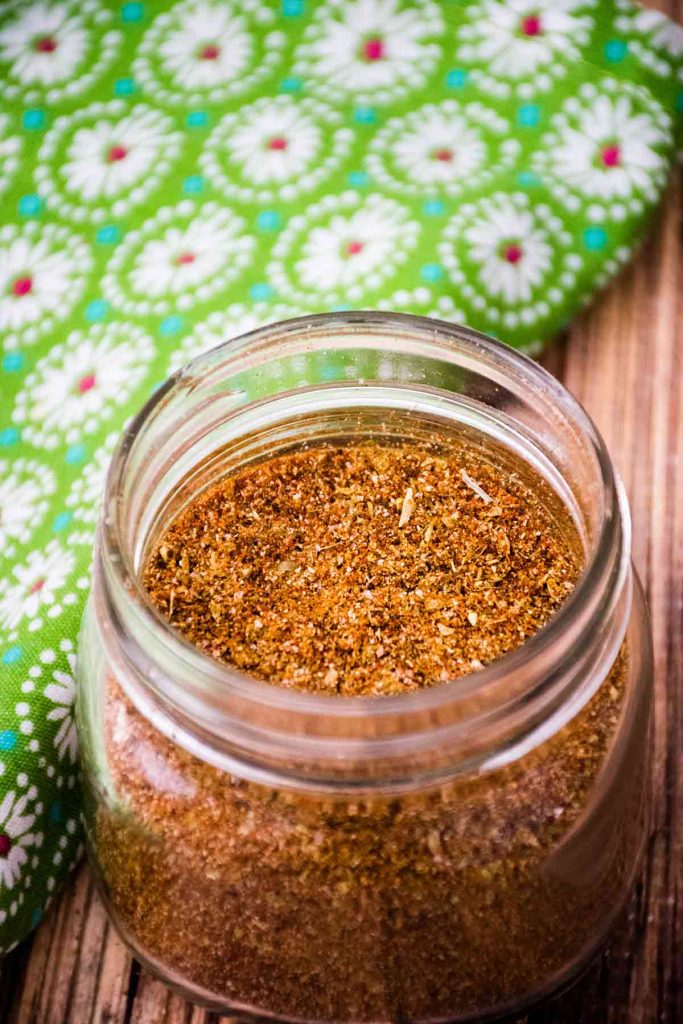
[86,383]
[374,49]
[117,153]
[531,26]
[354,247]
[444,155]
[5,844]
[45,44]
[185,257]
[22,286]
[37,586]
[209,52]
[278,143]
[513,254]
[611,156]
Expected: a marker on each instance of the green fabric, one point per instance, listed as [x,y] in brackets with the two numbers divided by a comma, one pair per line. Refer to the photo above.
[172,174]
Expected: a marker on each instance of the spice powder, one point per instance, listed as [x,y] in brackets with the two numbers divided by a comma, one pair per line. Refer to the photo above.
[363,569]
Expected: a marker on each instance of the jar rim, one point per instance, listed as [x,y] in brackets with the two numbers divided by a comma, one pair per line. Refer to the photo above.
[606,569]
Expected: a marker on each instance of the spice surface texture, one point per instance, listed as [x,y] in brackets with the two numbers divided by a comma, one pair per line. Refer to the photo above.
[363,569]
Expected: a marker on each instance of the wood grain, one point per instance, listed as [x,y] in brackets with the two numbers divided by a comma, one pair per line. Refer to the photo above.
[624,360]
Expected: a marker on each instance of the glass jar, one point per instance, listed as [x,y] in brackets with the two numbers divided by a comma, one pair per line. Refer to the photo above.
[448,854]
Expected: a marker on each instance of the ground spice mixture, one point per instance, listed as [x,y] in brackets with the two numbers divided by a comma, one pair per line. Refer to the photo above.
[365,570]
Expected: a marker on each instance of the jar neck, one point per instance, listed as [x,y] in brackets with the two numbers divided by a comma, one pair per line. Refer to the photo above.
[302,740]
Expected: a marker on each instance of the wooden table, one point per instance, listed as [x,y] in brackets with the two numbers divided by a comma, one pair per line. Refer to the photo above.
[624,360]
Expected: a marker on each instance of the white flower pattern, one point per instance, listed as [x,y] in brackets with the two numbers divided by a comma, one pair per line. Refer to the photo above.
[607,147]
[39,587]
[210,47]
[43,270]
[512,251]
[509,260]
[61,692]
[344,247]
[662,31]
[25,489]
[372,50]
[519,40]
[44,43]
[105,159]
[18,838]
[79,384]
[440,149]
[179,257]
[653,39]
[57,48]
[208,50]
[275,148]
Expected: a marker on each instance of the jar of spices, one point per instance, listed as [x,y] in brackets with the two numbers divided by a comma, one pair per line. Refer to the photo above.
[286,833]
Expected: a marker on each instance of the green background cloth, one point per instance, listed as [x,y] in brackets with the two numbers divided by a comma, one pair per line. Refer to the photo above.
[172,174]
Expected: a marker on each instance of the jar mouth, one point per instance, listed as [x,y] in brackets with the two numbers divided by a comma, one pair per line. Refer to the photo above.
[531,688]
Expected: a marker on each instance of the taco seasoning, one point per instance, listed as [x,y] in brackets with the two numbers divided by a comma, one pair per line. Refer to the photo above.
[364,570]
[376,780]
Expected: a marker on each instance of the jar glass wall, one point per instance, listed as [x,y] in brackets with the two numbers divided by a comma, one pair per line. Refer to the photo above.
[441,855]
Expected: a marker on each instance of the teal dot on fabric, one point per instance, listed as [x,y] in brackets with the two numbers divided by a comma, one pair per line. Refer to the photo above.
[262,290]
[36,916]
[9,436]
[358,179]
[62,521]
[108,235]
[30,206]
[132,12]
[268,220]
[124,87]
[342,308]
[75,454]
[171,325]
[616,50]
[365,115]
[457,78]
[529,115]
[33,120]
[197,119]
[431,272]
[13,362]
[55,811]
[195,183]
[12,655]
[291,84]
[595,238]
[433,207]
[8,740]
[96,310]
[293,8]
[528,179]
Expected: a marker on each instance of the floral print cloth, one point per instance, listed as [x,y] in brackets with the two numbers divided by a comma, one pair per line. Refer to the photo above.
[173,173]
